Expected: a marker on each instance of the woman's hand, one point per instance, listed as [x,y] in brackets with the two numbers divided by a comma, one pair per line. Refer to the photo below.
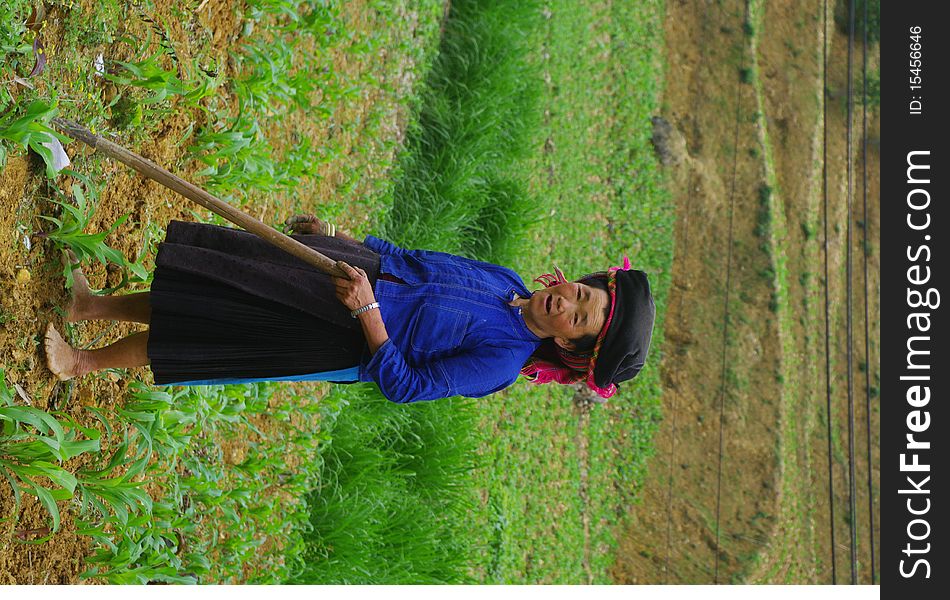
[355,292]
[305,224]
[308,224]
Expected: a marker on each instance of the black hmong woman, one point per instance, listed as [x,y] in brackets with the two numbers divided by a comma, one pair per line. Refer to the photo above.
[227,307]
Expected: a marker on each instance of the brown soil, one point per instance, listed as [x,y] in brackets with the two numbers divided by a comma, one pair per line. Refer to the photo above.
[27,305]
[750,387]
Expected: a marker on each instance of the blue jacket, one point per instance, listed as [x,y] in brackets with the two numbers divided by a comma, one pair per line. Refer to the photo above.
[451,330]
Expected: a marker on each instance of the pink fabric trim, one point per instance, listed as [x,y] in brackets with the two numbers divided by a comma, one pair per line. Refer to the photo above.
[541,372]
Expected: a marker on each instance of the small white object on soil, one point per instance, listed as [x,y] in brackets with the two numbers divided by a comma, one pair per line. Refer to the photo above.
[22,394]
[60,160]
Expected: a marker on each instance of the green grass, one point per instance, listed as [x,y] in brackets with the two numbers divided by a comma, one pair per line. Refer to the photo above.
[394,494]
[461,188]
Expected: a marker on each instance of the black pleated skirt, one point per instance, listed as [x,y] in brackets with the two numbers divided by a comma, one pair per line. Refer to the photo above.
[228,305]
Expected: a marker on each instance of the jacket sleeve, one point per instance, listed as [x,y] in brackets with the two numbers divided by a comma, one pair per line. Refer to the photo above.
[382,246]
[432,256]
[469,374]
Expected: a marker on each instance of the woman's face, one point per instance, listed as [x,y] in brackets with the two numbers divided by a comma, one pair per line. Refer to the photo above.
[567,311]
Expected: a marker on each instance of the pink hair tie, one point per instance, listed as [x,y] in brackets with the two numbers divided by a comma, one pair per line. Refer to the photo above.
[625,267]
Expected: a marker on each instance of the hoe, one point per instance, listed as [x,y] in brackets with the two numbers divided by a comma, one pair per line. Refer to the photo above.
[193,192]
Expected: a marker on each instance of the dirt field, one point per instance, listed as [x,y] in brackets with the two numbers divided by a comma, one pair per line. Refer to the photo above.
[738,489]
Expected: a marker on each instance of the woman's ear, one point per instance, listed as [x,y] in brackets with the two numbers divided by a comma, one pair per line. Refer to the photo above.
[565,343]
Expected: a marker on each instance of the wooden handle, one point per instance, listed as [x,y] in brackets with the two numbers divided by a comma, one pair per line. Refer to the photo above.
[193,192]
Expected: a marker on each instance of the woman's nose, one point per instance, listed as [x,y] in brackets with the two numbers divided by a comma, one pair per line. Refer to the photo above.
[563,304]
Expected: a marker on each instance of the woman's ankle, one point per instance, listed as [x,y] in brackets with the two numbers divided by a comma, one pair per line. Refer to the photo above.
[129,308]
[128,353]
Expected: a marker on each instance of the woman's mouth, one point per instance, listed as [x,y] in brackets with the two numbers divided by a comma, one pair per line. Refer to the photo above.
[548,304]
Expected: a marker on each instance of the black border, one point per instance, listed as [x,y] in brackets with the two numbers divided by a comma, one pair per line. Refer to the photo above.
[903,132]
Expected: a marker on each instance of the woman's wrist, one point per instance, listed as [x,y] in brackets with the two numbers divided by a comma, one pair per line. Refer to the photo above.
[374,330]
[330,230]
[372,305]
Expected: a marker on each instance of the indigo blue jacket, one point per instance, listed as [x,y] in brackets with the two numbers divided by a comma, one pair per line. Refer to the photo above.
[451,330]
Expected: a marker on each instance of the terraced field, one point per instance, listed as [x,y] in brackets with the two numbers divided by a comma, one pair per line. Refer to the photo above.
[738,490]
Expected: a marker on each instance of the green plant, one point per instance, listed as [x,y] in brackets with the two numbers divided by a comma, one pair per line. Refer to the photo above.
[392,480]
[126,113]
[73,221]
[808,231]
[31,131]
[458,189]
[148,74]
[803,278]
[142,551]
[272,81]
[16,46]
[33,446]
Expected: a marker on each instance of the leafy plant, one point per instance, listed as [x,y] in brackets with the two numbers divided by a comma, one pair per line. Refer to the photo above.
[240,159]
[33,446]
[73,221]
[271,81]
[16,48]
[32,131]
[118,496]
[163,84]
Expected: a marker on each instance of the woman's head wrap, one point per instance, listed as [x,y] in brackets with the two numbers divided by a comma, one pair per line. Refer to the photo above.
[623,342]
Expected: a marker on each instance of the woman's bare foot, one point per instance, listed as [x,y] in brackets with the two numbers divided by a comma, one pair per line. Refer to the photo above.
[82,298]
[61,358]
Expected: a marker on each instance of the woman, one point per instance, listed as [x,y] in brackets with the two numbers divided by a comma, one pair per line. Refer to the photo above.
[228,307]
